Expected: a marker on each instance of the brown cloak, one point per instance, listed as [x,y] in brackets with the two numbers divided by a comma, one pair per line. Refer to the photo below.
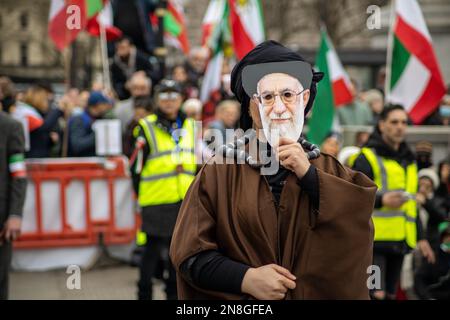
[230,208]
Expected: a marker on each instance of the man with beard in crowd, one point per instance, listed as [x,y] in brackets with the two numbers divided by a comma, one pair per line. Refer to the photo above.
[390,163]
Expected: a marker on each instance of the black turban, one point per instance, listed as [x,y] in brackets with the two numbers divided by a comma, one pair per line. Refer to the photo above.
[268,51]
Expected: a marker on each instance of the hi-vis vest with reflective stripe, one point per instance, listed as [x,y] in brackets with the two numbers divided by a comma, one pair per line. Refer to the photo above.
[394,224]
[170,168]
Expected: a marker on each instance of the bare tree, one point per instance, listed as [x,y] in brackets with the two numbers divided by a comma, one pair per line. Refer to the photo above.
[344,19]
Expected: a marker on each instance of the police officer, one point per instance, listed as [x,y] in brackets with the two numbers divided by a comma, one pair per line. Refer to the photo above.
[389,162]
[163,167]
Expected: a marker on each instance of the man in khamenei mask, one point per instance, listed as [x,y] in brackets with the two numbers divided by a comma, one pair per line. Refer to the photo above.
[302,232]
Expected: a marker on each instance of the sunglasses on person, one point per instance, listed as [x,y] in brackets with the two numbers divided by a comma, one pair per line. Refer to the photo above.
[168,95]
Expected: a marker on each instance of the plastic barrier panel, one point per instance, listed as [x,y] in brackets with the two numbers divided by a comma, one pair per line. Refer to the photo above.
[74,201]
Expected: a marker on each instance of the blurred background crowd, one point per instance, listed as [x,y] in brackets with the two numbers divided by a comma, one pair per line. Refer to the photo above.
[59,118]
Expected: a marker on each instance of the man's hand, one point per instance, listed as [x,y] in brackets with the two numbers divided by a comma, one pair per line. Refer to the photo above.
[11,231]
[427,252]
[393,199]
[269,282]
[293,157]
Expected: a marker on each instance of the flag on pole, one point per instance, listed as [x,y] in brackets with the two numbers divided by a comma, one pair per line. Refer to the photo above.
[105,19]
[414,79]
[332,92]
[247,25]
[175,26]
[233,26]
[215,14]
[175,29]
[215,30]
[68,17]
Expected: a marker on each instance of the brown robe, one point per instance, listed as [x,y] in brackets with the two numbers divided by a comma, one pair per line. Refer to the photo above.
[230,208]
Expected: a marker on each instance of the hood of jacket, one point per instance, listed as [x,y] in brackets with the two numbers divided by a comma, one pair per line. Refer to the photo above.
[403,155]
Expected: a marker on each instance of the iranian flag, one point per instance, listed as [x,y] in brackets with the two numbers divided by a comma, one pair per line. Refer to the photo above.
[175,30]
[68,17]
[175,26]
[233,26]
[104,18]
[414,79]
[215,28]
[247,26]
[215,14]
[332,92]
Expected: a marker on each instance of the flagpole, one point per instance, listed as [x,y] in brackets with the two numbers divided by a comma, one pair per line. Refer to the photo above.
[160,50]
[105,64]
[389,51]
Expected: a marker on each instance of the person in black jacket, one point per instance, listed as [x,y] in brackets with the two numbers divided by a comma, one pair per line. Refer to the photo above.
[432,206]
[12,191]
[126,61]
[432,280]
[81,133]
[443,191]
[45,136]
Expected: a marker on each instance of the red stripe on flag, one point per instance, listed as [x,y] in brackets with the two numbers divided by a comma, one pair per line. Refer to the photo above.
[57,29]
[19,174]
[207,30]
[341,93]
[93,27]
[421,47]
[428,102]
[183,37]
[242,44]
[418,45]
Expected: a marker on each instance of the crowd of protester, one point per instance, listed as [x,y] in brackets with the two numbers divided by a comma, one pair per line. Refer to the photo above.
[60,126]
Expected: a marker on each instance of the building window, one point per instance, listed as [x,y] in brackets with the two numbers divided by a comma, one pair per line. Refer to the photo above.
[24,55]
[1,21]
[24,21]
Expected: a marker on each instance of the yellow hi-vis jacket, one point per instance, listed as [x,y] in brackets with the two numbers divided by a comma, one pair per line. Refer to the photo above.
[394,224]
[170,167]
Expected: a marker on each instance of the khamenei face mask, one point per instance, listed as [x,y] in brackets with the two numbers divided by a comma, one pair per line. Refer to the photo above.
[281,107]
[278,88]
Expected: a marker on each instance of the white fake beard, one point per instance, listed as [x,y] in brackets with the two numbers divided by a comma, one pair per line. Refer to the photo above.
[291,130]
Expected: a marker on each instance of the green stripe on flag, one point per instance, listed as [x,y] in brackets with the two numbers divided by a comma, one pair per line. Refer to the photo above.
[93,7]
[171,25]
[262,24]
[322,117]
[400,58]
[18,157]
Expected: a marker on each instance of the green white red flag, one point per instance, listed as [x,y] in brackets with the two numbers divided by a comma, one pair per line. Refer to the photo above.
[332,92]
[104,18]
[60,28]
[247,25]
[414,79]
[229,24]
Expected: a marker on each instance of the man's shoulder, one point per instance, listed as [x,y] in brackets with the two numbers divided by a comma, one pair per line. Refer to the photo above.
[329,164]
[7,122]
[218,164]
[124,104]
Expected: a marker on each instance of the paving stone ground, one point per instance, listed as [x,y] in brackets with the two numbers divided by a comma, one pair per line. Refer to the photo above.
[111,280]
